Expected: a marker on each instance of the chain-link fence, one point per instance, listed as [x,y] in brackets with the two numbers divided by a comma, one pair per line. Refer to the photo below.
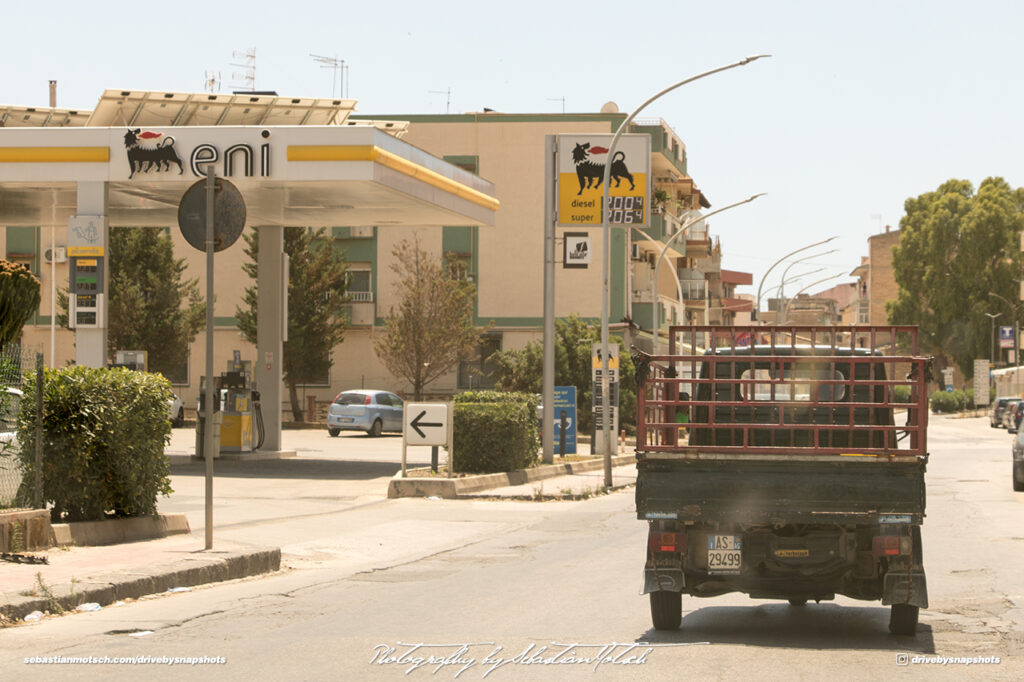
[15,363]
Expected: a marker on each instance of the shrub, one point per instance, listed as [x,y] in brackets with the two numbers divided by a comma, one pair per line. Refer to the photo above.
[955,401]
[494,432]
[104,432]
[901,394]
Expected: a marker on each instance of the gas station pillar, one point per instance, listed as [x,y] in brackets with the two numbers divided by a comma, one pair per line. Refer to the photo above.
[271,286]
[88,245]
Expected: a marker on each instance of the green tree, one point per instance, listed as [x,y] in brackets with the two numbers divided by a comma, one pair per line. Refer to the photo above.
[432,329]
[956,248]
[317,311]
[150,306]
[19,299]
[522,370]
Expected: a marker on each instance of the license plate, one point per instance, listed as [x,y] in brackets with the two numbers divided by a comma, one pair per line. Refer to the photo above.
[724,554]
[345,420]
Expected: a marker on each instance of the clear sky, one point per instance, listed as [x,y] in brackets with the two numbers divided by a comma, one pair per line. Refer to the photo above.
[862,105]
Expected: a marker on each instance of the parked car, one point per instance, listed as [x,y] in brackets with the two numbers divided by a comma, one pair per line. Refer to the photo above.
[371,411]
[1014,413]
[1007,415]
[176,411]
[1018,462]
[10,467]
[995,416]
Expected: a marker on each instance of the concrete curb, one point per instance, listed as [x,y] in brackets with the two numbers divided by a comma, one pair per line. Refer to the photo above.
[200,569]
[452,488]
[117,531]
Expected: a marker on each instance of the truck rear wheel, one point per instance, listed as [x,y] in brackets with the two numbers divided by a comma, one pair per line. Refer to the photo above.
[903,619]
[666,610]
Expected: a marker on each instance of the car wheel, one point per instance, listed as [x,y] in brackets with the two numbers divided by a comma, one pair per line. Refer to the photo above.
[798,602]
[1018,476]
[903,619]
[666,610]
[179,420]
[333,433]
[376,429]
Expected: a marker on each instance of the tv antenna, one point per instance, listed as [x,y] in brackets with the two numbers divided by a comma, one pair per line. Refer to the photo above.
[339,68]
[558,99]
[249,75]
[448,98]
[211,83]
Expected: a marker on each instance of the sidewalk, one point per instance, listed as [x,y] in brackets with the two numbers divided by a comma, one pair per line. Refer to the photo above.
[105,575]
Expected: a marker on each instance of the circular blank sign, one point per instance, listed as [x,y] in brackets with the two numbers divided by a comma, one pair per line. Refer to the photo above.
[228,214]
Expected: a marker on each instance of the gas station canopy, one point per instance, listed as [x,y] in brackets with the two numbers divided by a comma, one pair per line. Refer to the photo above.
[296,161]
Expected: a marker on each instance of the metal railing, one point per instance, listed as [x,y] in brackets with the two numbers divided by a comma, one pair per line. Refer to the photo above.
[810,390]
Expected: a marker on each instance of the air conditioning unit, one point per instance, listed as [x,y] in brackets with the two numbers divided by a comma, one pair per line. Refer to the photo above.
[58,254]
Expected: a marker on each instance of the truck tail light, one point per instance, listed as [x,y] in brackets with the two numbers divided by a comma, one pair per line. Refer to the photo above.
[368,400]
[659,541]
[891,545]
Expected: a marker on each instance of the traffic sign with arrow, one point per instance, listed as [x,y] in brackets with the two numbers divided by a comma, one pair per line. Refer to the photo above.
[426,424]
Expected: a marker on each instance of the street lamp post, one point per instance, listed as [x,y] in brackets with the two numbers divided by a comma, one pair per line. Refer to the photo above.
[785,310]
[661,257]
[757,306]
[992,333]
[606,427]
[785,272]
[1014,310]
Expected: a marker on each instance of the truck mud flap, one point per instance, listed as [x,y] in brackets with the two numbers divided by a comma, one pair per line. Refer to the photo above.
[901,587]
[665,580]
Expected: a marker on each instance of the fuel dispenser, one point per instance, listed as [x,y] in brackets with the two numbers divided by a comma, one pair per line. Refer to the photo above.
[237,415]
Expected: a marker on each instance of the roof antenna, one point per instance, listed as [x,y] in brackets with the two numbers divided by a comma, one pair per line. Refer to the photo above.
[448,99]
[249,75]
[338,65]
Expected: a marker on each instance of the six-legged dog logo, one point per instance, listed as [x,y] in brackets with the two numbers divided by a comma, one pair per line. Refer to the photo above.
[146,151]
[591,173]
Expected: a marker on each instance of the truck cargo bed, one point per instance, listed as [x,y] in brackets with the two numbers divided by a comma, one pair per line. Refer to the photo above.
[776,489]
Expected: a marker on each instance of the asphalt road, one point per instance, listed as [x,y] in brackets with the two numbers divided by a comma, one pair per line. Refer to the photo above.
[480,582]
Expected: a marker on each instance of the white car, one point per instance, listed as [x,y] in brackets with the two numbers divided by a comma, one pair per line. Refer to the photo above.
[10,467]
[176,411]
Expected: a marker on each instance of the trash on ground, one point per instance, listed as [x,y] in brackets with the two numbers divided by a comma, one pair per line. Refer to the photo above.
[33,617]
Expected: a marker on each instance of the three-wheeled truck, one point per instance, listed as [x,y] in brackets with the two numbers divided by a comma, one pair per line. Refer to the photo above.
[784,462]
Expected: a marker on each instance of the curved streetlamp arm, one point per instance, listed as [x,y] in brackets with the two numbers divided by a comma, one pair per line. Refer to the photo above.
[656,322]
[785,312]
[757,307]
[782,280]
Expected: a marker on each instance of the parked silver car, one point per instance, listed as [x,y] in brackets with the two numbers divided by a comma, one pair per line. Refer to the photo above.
[1018,462]
[995,415]
[365,410]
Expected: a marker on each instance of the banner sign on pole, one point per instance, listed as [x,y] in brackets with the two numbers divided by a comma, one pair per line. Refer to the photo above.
[1006,337]
[580,172]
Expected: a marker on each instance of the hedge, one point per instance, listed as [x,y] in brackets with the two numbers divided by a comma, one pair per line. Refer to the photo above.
[104,432]
[494,431]
[955,401]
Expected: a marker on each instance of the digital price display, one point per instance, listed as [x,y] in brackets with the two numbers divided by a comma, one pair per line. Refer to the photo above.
[627,210]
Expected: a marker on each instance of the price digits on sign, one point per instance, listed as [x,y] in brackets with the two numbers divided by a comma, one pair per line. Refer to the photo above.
[626,210]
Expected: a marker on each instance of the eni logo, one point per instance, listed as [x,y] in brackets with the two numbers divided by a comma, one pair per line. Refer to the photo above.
[151,151]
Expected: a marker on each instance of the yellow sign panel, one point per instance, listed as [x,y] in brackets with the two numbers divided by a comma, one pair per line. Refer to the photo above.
[78,251]
[581,166]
